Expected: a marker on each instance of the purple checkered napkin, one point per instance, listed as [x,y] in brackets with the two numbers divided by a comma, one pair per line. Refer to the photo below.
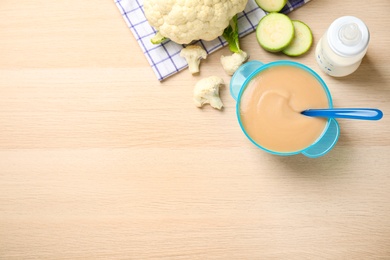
[165,58]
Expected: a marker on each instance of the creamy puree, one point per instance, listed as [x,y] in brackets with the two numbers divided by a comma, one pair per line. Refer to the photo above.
[271,105]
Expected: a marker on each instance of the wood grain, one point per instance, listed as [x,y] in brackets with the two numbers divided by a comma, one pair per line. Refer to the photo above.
[99,160]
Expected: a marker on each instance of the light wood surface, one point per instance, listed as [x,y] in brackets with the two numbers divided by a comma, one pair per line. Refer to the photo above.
[99,160]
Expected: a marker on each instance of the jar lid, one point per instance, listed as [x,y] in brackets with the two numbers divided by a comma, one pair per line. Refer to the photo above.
[348,36]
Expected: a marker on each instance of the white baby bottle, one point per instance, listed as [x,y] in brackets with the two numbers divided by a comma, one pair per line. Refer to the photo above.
[341,50]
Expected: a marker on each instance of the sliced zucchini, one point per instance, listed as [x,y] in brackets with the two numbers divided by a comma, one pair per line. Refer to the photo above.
[302,41]
[275,32]
[271,5]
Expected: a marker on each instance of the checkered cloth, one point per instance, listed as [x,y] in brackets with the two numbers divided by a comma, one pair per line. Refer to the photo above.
[165,58]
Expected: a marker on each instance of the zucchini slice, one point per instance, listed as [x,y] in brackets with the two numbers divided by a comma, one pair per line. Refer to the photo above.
[271,5]
[303,39]
[275,32]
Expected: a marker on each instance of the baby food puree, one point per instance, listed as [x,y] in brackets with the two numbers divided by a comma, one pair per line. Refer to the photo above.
[271,105]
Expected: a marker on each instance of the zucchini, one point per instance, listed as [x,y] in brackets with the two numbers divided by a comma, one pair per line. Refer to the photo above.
[271,5]
[303,39]
[275,32]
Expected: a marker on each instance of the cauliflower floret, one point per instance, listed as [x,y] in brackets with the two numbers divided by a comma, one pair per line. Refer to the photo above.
[185,21]
[206,91]
[231,63]
[193,54]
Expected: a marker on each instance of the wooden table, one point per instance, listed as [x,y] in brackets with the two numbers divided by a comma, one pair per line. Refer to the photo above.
[99,160]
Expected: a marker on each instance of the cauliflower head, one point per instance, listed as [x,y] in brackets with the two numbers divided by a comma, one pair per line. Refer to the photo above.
[184,21]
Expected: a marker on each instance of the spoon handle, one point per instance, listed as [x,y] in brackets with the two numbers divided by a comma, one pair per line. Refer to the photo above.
[351,113]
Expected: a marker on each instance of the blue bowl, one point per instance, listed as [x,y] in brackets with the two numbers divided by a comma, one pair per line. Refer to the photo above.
[245,73]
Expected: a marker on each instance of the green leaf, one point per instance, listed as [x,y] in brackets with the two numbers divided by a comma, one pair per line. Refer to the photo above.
[231,35]
[158,38]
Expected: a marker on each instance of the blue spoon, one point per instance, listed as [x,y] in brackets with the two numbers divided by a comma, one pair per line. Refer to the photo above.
[350,113]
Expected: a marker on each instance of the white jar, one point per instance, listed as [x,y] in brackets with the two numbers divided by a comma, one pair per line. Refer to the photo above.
[341,50]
